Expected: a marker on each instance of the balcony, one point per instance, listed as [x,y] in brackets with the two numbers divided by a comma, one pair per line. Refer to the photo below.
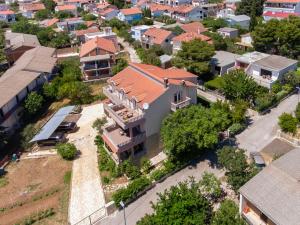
[120,140]
[181,104]
[253,219]
[265,81]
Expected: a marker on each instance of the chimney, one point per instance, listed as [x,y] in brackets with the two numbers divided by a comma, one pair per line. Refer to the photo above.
[183,82]
[166,82]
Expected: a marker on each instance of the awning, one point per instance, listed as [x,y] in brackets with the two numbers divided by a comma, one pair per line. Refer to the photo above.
[52,124]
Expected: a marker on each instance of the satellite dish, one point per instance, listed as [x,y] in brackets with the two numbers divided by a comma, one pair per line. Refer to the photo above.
[145,106]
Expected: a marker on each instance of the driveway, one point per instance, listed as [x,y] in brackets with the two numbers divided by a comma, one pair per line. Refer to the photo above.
[86,192]
[137,209]
[132,53]
[263,129]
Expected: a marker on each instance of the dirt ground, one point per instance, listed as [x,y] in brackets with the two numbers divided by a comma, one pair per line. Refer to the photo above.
[35,185]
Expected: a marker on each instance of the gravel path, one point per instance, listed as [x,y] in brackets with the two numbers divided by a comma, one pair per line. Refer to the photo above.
[86,194]
[132,53]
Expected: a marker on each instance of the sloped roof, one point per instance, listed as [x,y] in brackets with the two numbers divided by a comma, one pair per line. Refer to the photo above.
[158,35]
[65,7]
[195,27]
[7,12]
[107,11]
[131,11]
[276,62]
[97,42]
[276,189]
[279,14]
[19,39]
[33,6]
[86,31]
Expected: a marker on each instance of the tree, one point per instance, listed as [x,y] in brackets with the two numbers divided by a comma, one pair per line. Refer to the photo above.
[63,15]
[99,123]
[253,21]
[42,14]
[49,4]
[77,92]
[246,7]
[89,17]
[120,65]
[181,204]
[146,12]
[288,123]
[33,102]
[297,112]
[239,111]
[60,40]
[210,186]
[213,23]
[27,134]
[67,151]
[195,56]
[238,85]
[227,214]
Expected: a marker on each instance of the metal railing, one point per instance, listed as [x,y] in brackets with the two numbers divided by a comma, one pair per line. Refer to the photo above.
[93,218]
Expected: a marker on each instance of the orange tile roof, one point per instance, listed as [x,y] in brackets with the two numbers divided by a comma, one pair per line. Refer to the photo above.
[77,1]
[186,37]
[284,1]
[183,9]
[7,12]
[196,27]
[33,6]
[97,42]
[158,7]
[106,11]
[65,7]
[90,23]
[51,22]
[86,31]
[102,5]
[158,35]
[131,11]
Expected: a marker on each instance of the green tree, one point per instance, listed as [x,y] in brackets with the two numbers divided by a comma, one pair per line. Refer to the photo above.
[288,123]
[210,186]
[77,92]
[246,7]
[63,15]
[49,4]
[120,65]
[297,112]
[60,40]
[33,102]
[227,214]
[253,20]
[99,123]
[239,111]
[238,85]
[213,23]
[147,12]
[181,204]
[195,56]
[42,14]
[89,17]
[67,151]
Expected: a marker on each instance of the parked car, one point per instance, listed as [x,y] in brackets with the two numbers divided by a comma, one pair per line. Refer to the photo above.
[258,160]
[54,139]
[67,126]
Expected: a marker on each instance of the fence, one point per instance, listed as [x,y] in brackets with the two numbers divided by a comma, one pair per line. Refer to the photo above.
[93,218]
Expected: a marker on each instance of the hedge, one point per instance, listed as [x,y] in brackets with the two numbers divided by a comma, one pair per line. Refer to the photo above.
[215,84]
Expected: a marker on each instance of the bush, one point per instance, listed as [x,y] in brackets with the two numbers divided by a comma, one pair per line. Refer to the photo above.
[146,165]
[276,87]
[158,174]
[67,151]
[169,166]
[33,102]
[105,163]
[288,123]
[214,84]
[236,128]
[131,191]
[288,88]
[27,134]
[98,124]
[281,94]
[131,171]
[105,180]
[263,102]
[297,112]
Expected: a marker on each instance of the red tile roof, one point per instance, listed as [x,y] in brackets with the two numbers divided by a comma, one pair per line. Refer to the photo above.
[51,22]
[279,14]
[106,11]
[33,6]
[65,7]
[283,1]
[87,31]
[102,5]
[183,9]
[158,7]
[158,35]
[186,37]
[196,27]
[131,11]
[97,42]
[90,23]
[7,12]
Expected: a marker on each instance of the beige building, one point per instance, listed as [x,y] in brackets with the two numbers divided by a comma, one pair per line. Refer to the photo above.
[139,98]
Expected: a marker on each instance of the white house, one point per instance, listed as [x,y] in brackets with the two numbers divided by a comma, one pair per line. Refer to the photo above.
[137,32]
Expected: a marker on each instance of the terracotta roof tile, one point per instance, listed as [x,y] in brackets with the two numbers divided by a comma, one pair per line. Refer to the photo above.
[97,42]
[158,35]
[283,1]
[280,14]
[51,22]
[196,27]
[131,11]
[90,23]
[106,11]
[33,6]
[65,7]
[182,9]
[7,12]
[158,7]
[103,5]
[86,31]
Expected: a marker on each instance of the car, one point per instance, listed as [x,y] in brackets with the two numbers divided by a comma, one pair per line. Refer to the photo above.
[77,109]
[54,139]
[67,126]
[258,160]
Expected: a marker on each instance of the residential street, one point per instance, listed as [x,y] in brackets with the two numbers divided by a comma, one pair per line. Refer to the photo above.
[132,53]
[263,129]
[141,206]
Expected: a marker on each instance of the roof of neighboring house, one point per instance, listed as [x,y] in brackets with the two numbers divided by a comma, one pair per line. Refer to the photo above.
[279,14]
[183,9]
[251,57]
[196,27]
[240,18]
[227,29]
[7,12]
[158,35]
[33,6]
[276,62]
[65,7]
[90,23]
[283,1]
[275,191]
[102,5]
[107,11]
[131,11]
[158,7]
[19,39]
[186,37]
[26,69]
[165,58]
[97,42]
[223,58]
[86,31]
[140,27]
[145,83]
[51,22]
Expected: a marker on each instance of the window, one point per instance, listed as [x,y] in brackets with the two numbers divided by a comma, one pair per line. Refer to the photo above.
[177,97]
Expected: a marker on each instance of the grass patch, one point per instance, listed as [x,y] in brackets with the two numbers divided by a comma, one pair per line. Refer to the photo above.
[67,177]
[37,217]
[3,181]
[215,84]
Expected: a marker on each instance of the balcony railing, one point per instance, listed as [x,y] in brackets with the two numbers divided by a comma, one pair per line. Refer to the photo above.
[180,105]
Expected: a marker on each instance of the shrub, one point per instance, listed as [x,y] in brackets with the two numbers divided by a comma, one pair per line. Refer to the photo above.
[131,191]
[169,166]
[98,124]
[67,151]
[288,123]
[297,112]
[146,165]
[236,128]
[27,134]
[288,88]
[131,171]
[105,180]
[281,94]
[33,102]
[67,177]
[158,174]
[263,102]
[276,87]
[105,163]
[214,84]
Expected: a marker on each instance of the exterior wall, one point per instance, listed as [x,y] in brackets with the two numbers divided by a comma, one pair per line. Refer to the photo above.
[8,18]
[129,18]
[110,15]
[274,8]
[246,40]
[223,69]
[231,34]
[137,34]
[196,14]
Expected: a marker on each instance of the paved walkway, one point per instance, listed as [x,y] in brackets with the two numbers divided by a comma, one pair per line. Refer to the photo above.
[132,53]
[86,193]
[137,209]
[263,129]
[210,96]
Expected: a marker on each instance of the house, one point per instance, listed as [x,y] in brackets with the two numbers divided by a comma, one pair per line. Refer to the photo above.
[165,61]
[223,61]
[242,21]
[35,67]
[80,34]
[28,10]
[158,10]
[199,2]
[232,4]
[264,68]
[70,24]
[109,13]
[228,32]
[140,97]
[17,43]
[105,33]
[212,9]
[67,8]
[157,36]
[137,32]
[246,41]
[130,15]
[187,37]
[49,22]
[187,13]
[77,3]
[273,195]
[195,27]
[97,57]
[173,2]
[7,16]
[279,9]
